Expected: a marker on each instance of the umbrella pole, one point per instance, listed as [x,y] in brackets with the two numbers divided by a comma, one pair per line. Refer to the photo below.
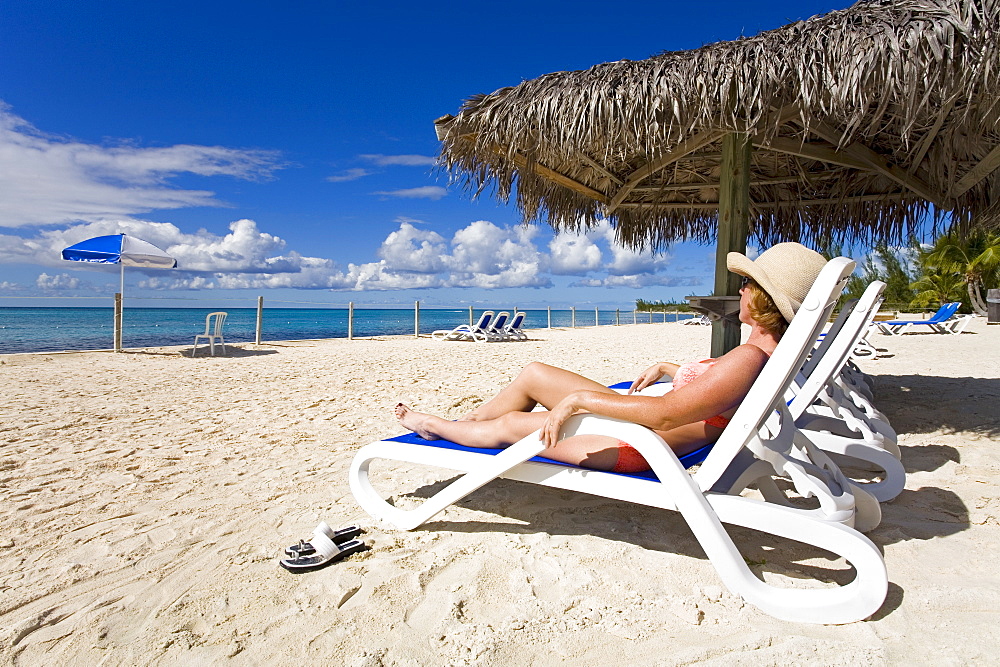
[734,227]
[118,306]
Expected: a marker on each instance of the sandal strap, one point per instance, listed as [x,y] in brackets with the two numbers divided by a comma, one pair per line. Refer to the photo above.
[324,545]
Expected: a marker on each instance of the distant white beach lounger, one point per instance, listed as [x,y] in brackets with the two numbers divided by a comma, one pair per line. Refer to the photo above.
[478,332]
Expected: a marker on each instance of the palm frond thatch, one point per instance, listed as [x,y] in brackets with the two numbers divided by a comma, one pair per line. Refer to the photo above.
[860,119]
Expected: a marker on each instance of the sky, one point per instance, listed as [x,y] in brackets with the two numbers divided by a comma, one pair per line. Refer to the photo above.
[287,149]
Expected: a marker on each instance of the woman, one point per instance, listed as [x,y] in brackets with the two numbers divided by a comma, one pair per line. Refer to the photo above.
[704,397]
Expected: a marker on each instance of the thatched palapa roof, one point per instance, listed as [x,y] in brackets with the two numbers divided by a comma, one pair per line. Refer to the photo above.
[860,120]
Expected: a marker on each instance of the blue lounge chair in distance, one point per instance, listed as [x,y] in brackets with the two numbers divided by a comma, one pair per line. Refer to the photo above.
[938,322]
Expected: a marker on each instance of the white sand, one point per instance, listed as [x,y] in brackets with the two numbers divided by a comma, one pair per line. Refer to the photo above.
[146,498]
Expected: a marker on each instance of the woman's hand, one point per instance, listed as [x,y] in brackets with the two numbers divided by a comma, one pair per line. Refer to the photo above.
[648,377]
[558,415]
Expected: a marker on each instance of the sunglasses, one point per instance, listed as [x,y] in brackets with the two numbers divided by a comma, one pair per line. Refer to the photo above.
[746,281]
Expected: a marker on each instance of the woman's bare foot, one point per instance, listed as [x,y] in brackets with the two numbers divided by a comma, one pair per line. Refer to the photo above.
[415,421]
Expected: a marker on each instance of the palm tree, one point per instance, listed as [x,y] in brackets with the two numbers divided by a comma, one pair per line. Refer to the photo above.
[974,257]
[936,288]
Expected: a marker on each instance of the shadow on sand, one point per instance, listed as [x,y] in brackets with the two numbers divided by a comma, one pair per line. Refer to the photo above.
[232,352]
[922,514]
[928,403]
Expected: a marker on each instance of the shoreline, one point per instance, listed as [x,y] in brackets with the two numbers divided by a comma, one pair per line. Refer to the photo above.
[148,497]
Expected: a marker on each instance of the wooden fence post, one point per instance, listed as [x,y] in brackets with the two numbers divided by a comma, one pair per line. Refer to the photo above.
[260,318]
[416,319]
[350,320]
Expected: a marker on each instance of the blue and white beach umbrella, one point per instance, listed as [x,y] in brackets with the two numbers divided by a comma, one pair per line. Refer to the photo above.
[120,249]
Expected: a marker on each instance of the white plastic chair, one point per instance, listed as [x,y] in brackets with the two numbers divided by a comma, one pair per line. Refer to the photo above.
[757,443]
[213,332]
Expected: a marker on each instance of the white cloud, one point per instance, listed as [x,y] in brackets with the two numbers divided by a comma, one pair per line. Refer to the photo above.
[643,280]
[581,254]
[489,256]
[349,175]
[627,262]
[400,160]
[433,192]
[412,249]
[63,281]
[245,249]
[574,254]
[481,254]
[49,180]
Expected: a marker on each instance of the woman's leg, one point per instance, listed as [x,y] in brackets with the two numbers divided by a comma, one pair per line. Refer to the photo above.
[500,432]
[537,383]
[599,452]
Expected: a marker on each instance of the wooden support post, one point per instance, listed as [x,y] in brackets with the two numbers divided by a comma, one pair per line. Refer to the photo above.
[618,316]
[550,317]
[597,318]
[118,322]
[350,320]
[416,319]
[734,226]
[260,318]
[470,316]
[572,310]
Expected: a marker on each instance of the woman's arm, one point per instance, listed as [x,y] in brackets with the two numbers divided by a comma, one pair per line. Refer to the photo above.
[722,387]
[652,374]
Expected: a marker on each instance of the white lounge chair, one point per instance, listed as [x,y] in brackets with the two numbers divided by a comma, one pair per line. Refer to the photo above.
[757,443]
[849,429]
[513,329]
[850,387]
[495,331]
[830,419]
[956,324]
[213,332]
[477,332]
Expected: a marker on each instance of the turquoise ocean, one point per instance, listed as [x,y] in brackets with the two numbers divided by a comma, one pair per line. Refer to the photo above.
[57,329]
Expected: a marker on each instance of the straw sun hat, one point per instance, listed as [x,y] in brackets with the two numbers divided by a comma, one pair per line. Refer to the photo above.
[785,271]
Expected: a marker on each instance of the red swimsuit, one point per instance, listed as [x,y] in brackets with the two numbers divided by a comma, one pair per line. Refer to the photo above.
[629,458]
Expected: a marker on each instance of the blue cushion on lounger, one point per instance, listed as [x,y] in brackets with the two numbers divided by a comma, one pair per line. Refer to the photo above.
[688,460]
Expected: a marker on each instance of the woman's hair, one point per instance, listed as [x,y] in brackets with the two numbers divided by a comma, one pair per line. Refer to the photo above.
[764,311]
